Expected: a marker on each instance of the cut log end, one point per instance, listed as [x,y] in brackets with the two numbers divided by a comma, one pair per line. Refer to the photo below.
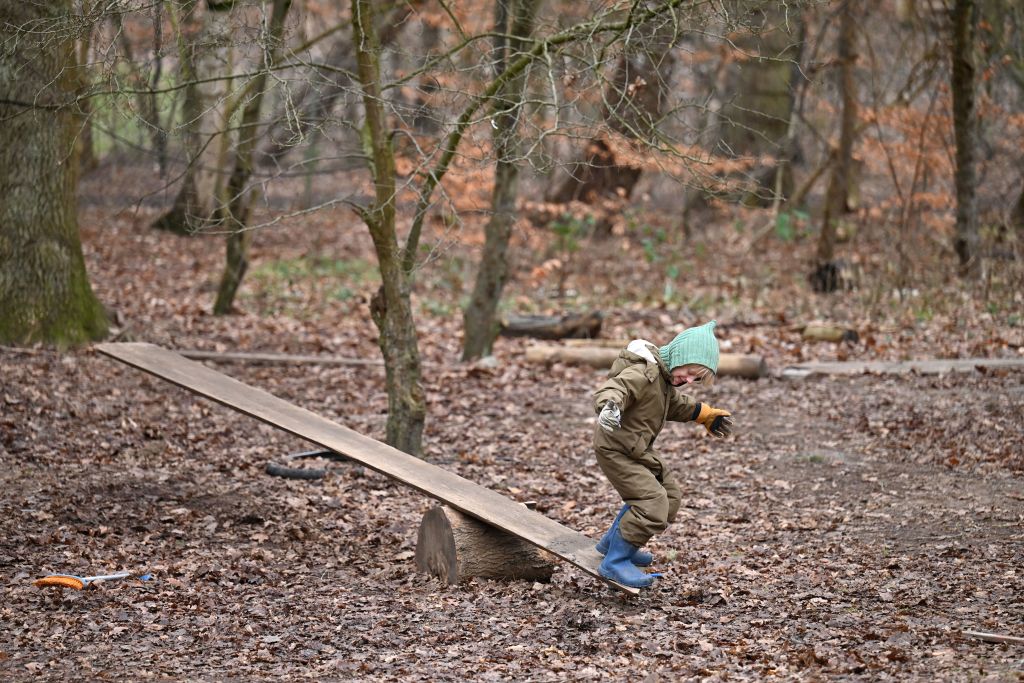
[456,548]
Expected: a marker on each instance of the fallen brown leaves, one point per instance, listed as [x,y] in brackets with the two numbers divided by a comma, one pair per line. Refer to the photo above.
[851,529]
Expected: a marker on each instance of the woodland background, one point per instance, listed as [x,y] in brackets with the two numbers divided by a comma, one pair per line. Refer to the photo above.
[391,181]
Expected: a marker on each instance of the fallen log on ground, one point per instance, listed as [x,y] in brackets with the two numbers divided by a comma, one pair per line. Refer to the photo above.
[814,331]
[828,332]
[288,472]
[604,343]
[729,364]
[455,548]
[994,637]
[279,358]
[571,326]
[936,366]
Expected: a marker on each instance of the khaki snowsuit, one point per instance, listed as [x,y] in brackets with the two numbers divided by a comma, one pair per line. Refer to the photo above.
[641,388]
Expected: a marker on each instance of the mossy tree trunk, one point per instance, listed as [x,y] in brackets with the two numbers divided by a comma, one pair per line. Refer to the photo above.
[44,290]
[233,214]
[514,21]
[392,306]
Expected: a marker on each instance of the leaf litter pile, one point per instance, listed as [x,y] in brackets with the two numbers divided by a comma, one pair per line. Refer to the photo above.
[853,527]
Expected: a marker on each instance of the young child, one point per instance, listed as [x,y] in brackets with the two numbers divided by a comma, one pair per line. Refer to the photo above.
[634,403]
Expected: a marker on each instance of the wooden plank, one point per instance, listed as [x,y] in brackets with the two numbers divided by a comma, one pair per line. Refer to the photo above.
[468,497]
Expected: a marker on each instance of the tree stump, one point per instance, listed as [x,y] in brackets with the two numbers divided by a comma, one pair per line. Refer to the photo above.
[455,548]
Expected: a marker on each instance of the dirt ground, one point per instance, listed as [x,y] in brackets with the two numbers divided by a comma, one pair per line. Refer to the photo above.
[852,529]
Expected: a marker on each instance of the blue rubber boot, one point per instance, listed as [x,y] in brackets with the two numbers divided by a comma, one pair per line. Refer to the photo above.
[641,558]
[617,564]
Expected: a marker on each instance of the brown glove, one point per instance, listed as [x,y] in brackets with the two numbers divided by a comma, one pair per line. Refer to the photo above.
[718,422]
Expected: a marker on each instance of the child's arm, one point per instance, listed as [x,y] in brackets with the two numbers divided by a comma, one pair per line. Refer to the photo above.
[683,408]
[622,389]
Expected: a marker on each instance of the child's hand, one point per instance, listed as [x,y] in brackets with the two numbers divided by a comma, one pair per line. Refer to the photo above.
[610,418]
[717,422]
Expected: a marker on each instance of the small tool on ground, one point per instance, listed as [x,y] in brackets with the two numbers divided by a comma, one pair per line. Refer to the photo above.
[82,582]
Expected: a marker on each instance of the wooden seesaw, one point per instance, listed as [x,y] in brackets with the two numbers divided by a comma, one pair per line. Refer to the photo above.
[491,508]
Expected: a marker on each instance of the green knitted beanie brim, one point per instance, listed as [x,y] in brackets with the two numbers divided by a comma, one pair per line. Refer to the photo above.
[693,345]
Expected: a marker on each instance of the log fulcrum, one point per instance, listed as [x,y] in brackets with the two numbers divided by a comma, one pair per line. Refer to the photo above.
[455,547]
[729,364]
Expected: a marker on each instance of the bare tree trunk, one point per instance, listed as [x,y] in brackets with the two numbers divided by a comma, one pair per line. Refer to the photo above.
[636,93]
[83,126]
[965,132]
[189,212]
[418,108]
[479,324]
[755,121]
[842,167]
[633,107]
[314,101]
[1017,215]
[391,306]
[311,104]
[86,151]
[694,197]
[149,113]
[905,10]
[234,212]
[44,290]
[158,132]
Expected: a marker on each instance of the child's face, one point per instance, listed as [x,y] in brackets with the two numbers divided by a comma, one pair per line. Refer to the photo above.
[692,374]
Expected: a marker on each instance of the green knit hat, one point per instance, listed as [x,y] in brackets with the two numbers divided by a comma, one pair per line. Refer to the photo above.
[693,345]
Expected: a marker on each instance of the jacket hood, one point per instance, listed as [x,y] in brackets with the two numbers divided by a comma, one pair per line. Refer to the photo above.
[641,351]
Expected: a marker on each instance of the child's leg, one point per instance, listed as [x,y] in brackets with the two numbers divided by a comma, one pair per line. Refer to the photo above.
[675,496]
[637,482]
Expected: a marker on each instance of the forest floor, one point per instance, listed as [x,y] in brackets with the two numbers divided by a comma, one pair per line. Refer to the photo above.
[851,529]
